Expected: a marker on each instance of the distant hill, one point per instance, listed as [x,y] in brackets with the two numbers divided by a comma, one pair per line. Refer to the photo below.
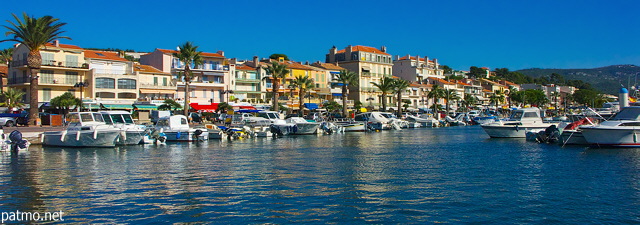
[606,79]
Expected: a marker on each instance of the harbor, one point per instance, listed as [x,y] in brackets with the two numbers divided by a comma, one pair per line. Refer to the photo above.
[425,175]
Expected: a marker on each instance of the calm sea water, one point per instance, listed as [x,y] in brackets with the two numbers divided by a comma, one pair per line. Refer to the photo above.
[455,175]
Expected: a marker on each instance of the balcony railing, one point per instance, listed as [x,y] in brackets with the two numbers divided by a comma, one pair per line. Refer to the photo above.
[67,64]
[239,80]
[156,86]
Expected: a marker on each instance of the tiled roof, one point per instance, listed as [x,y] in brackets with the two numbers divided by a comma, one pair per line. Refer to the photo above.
[147,69]
[244,67]
[462,83]
[63,46]
[485,90]
[206,54]
[506,82]
[328,66]
[414,58]
[365,49]
[296,65]
[4,69]
[441,80]
[103,55]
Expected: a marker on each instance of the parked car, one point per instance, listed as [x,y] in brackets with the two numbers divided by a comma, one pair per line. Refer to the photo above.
[8,121]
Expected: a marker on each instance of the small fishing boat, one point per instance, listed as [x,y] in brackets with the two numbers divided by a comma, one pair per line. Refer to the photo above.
[519,123]
[85,129]
[176,128]
[303,126]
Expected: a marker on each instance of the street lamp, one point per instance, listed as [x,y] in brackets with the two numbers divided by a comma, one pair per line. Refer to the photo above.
[227,92]
[370,99]
[81,85]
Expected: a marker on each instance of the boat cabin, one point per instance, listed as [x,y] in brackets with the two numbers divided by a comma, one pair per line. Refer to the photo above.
[117,117]
[85,119]
[174,122]
[371,117]
[526,114]
[271,115]
[628,113]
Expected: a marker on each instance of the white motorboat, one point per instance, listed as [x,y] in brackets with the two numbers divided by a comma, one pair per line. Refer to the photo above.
[278,126]
[303,126]
[425,120]
[85,129]
[519,123]
[351,125]
[131,134]
[176,128]
[374,120]
[623,130]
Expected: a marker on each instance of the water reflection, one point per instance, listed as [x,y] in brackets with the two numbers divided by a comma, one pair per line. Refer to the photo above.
[451,175]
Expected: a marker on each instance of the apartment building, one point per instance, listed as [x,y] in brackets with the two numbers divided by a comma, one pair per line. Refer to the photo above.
[371,65]
[414,68]
[63,69]
[214,80]
[111,80]
[155,85]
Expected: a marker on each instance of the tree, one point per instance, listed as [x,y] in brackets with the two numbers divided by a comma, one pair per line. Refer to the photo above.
[400,86]
[346,78]
[223,107]
[586,97]
[278,55]
[332,106]
[385,86]
[6,56]
[510,93]
[65,101]
[446,69]
[304,84]
[476,72]
[169,104]
[277,71]
[12,98]
[436,93]
[469,100]
[34,33]
[188,54]
[535,97]
[451,95]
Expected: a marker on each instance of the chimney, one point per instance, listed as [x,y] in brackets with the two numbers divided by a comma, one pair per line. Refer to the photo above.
[418,60]
[347,54]
[56,43]
[255,61]
[383,49]
[307,62]
[409,57]
[221,53]
[397,57]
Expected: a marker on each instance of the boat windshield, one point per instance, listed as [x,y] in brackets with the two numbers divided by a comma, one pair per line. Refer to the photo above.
[107,119]
[85,117]
[628,114]
[97,117]
[516,115]
[117,118]
[73,118]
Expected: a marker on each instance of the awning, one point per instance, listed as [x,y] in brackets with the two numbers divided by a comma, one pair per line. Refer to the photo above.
[150,91]
[311,106]
[146,107]
[336,94]
[366,68]
[248,107]
[205,108]
[115,106]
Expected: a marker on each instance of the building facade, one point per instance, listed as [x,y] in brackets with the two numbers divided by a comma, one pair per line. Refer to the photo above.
[414,68]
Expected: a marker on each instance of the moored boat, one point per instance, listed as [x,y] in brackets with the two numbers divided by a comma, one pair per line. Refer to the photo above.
[519,123]
[131,134]
[623,130]
[176,128]
[85,129]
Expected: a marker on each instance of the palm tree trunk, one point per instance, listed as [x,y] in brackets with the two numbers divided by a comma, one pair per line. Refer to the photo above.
[33,98]
[301,102]
[186,98]
[275,94]
[399,104]
[384,101]
[344,101]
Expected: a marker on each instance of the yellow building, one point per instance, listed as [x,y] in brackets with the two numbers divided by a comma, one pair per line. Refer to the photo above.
[64,69]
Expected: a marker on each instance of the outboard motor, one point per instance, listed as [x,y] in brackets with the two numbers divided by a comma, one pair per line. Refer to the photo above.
[196,134]
[275,130]
[16,141]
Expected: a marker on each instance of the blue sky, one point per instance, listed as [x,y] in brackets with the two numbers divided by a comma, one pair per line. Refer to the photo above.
[496,34]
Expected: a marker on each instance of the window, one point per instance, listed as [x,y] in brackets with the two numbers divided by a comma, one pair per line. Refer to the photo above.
[164,81]
[193,93]
[46,76]
[105,83]
[72,61]
[46,94]
[204,93]
[126,84]
[47,59]
[155,81]
[70,77]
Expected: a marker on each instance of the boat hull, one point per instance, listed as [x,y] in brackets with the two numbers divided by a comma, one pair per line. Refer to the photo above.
[615,137]
[573,137]
[511,131]
[306,128]
[186,136]
[131,138]
[85,139]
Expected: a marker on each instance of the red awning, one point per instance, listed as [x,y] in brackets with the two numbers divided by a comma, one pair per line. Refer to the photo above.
[246,107]
[205,108]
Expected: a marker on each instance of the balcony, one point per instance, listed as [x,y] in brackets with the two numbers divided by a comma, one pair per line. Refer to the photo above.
[204,84]
[156,86]
[249,81]
[53,63]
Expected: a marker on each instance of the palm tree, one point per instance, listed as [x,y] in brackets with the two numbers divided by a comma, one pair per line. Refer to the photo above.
[188,55]
[12,98]
[400,86]
[510,93]
[277,71]
[6,56]
[451,95]
[385,86]
[304,84]
[169,104]
[346,78]
[34,33]
[436,93]
[469,100]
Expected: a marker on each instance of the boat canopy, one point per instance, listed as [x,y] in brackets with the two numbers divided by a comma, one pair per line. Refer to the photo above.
[628,113]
